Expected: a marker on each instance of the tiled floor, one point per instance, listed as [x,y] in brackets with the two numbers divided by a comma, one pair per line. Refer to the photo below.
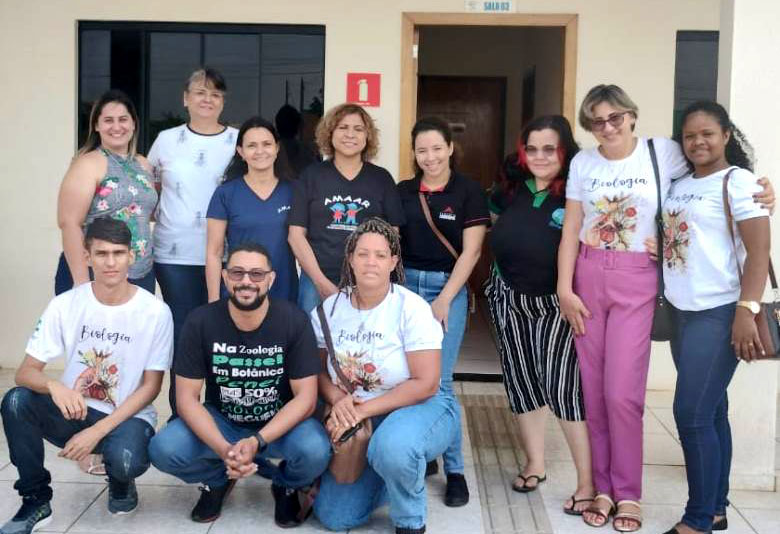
[492,457]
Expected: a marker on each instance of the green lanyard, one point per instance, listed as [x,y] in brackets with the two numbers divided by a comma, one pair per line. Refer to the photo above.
[539,196]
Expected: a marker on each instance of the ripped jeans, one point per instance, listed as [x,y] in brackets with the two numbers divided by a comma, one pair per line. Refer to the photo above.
[29,418]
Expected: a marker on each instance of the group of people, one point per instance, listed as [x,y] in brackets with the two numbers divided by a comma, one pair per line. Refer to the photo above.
[381,305]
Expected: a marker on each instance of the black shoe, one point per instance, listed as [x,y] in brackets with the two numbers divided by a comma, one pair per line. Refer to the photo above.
[210,503]
[457,493]
[287,507]
[403,530]
[33,515]
[721,524]
[122,496]
[431,468]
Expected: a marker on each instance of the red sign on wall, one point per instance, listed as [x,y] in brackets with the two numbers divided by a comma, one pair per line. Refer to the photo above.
[363,88]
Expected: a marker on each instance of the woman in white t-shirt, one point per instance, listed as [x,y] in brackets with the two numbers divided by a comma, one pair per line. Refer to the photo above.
[189,162]
[715,282]
[387,344]
[607,283]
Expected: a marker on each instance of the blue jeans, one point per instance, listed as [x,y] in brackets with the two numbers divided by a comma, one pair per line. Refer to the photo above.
[705,362]
[176,450]
[183,289]
[428,284]
[308,296]
[30,417]
[63,280]
[402,443]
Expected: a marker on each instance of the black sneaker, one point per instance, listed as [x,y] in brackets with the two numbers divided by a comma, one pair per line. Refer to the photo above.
[403,530]
[457,493]
[210,503]
[122,496]
[287,507]
[431,468]
[33,515]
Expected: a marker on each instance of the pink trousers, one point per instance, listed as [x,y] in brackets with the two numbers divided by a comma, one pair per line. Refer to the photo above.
[618,288]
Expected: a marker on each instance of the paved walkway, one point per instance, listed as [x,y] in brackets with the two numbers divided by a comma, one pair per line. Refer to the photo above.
[492,458]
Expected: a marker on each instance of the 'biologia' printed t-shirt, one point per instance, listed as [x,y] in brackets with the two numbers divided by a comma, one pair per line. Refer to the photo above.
[619,198]
[700,262]
[106,348]
[371,345]
[247,374]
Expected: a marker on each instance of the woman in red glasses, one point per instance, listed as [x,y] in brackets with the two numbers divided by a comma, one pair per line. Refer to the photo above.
[607,284]
[535,342]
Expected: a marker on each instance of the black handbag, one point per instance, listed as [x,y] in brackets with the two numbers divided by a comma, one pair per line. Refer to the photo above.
[664,321]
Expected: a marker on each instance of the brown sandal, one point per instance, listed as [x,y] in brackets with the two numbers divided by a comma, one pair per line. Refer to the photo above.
[635,517]
[599,511]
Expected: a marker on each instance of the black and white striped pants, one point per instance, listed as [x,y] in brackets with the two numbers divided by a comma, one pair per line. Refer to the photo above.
[537,351]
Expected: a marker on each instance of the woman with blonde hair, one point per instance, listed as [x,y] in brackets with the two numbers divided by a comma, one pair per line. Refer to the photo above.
[332,197]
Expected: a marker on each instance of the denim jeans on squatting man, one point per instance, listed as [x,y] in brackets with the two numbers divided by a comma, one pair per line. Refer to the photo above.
[402,443]
[30,417]
[428,284]
[305,449]
[705,362]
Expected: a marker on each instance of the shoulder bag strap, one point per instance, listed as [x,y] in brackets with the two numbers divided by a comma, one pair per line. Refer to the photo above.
[730,224]
[436,231]
[659,221]
[331,352]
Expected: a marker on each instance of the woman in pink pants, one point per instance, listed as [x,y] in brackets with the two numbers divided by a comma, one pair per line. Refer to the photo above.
[606,286]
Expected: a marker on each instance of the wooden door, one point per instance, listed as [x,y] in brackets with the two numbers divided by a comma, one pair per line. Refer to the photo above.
[475,110]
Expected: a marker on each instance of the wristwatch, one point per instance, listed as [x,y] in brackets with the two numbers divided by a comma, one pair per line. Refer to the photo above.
[261,443]
[751,305]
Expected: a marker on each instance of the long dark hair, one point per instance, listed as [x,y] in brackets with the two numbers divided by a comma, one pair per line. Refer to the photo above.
[109,97]
[432,124]
[237,166]
[514,171]
[738,151]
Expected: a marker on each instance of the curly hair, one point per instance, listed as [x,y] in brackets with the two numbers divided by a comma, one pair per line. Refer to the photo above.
[328,124]
[739,152]
[372,225]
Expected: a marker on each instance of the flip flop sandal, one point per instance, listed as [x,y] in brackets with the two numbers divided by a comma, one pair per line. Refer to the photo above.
[525,488]
[92,464]
[598,512]
[572,510]
[634,517]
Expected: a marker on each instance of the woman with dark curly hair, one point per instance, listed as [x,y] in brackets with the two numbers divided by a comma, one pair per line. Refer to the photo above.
[387,343]
[715,272]
[331,198]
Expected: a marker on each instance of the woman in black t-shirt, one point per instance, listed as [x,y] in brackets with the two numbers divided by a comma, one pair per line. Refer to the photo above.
[457,208]
[535,342]
[331,198]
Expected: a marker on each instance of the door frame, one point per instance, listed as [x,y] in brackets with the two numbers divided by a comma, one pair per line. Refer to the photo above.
[409,42]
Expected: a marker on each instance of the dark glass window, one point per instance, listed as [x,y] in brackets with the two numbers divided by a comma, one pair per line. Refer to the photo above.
[695,70]
[265,67]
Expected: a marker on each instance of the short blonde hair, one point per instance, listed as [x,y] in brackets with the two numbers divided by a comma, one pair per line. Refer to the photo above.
[611,94]
[328,124]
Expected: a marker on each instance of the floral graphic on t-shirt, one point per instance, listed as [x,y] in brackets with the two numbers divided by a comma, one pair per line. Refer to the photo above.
[676,240]
[100,379]
[615,223]
[359,370]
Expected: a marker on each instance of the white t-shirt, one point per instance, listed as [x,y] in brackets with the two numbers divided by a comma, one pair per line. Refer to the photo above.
[371,345]
[106,348]
[700,263]
[619,198]
[189,167]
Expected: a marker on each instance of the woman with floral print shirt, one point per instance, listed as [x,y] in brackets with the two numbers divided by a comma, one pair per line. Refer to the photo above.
[107,179]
